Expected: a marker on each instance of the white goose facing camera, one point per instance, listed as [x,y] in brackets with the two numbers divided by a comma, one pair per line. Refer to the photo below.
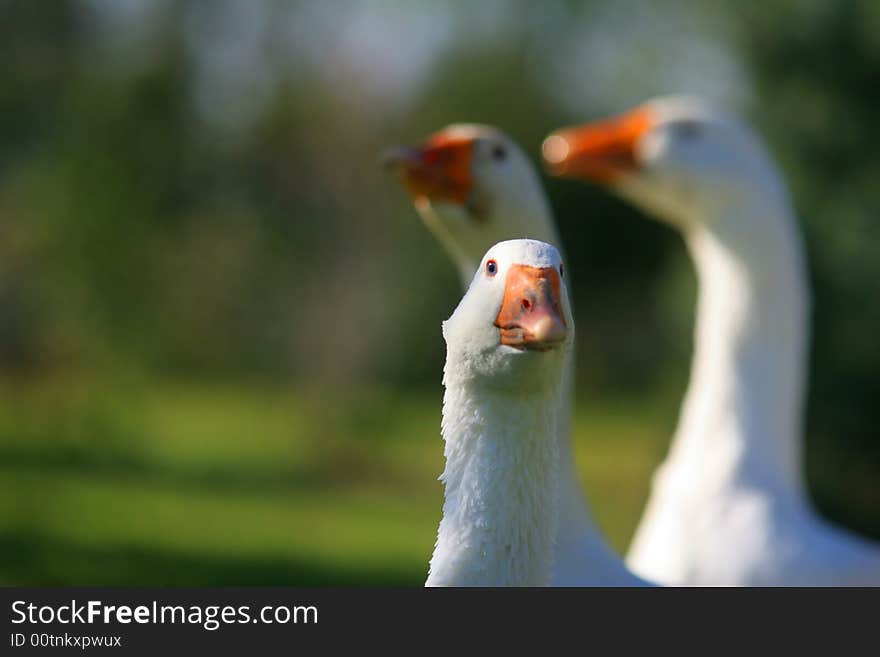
[507,344]
[473,187]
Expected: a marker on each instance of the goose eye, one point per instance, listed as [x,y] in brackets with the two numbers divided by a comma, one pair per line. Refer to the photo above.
[687,129]
[499,153]
[491,268]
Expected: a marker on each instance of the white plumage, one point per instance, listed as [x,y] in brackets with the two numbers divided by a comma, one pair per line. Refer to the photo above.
[478,188]
[500,411]
[729,505]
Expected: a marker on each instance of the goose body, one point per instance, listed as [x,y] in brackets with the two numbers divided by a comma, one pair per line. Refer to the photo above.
[473,187]
[729,505]
[506,349]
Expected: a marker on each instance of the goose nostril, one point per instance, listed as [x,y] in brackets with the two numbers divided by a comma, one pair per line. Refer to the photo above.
[526,304]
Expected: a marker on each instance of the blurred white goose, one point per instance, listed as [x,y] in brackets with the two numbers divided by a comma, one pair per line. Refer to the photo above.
[506,347]
[729,505]
[473,187]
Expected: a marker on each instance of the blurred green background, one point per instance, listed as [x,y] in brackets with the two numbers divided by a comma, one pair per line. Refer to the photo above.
[220,349]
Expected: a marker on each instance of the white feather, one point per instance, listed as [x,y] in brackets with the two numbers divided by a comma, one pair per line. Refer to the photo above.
[518,208]
[500,411]
[729,505]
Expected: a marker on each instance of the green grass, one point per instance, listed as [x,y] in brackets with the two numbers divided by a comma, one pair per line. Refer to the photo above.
[208,484]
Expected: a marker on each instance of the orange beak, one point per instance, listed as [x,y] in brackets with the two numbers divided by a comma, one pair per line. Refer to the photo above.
[602,152]
[531,313]
[438,170]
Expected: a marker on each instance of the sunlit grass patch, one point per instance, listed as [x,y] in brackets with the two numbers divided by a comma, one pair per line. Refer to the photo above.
[202,483]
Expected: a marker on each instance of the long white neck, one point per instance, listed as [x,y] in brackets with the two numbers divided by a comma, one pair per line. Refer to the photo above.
[583,556]
[741,418]
[500,509]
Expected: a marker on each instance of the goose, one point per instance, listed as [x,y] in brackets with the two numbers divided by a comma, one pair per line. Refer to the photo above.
[473,187]
[506,347]
[729,505]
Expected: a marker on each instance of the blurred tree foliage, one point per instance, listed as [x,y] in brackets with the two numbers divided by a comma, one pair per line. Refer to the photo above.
[150,222]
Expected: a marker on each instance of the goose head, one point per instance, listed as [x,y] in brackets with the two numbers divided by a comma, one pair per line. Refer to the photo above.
[514,323]
[677,157]
[473,187]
